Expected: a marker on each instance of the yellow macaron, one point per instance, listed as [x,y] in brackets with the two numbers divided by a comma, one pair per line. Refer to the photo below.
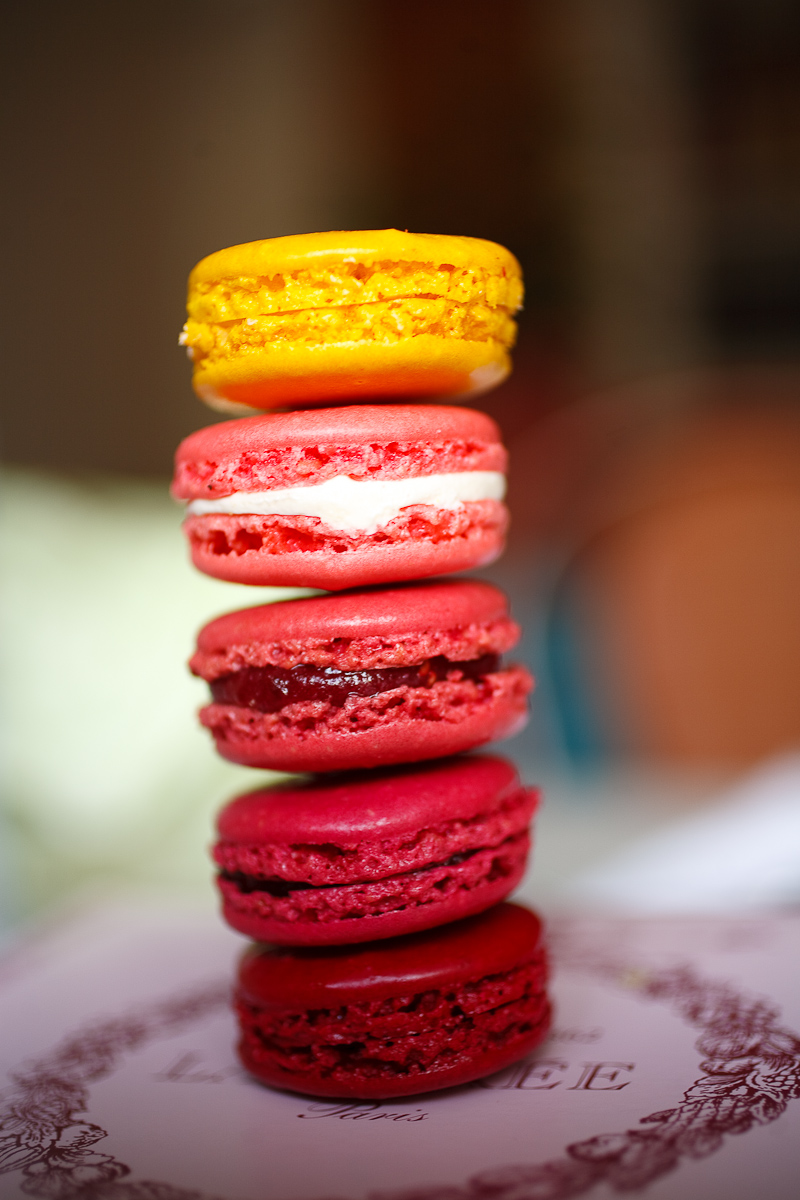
[315,318]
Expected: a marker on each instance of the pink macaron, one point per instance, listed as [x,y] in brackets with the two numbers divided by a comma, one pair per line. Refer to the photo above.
[362,679]
[412,1014]
[344,497]
[352,858]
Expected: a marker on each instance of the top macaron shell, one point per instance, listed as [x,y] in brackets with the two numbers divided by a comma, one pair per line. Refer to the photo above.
[340,498]
[370,627]
[365,441]
[326,977]
[348,811]
[309,319]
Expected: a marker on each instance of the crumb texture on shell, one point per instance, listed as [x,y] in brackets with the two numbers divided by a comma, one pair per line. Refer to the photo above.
[461,1034]
[322,270]
[355,912]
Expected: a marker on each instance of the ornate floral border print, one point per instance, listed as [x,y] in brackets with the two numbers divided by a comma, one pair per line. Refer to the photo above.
[751,1069]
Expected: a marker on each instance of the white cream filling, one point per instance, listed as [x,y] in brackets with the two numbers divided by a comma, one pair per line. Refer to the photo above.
[362,505]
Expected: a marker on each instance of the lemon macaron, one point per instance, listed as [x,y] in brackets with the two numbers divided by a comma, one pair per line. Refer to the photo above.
[319,318]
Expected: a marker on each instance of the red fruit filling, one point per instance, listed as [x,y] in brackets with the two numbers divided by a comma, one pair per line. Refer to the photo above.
[269,689]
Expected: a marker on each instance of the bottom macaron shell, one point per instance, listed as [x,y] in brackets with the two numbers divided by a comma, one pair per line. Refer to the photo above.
[298,375]
[398,726]
[419,900]
[449,1040]
[303,552]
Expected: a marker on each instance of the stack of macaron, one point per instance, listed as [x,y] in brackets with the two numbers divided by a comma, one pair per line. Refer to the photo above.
[386,961]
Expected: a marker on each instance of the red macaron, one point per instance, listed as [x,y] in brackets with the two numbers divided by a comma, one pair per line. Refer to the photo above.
[363,679]
[372,855]
[384,1019]
[344,497]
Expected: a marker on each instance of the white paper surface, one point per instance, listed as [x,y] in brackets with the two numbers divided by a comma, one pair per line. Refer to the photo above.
[120,1081]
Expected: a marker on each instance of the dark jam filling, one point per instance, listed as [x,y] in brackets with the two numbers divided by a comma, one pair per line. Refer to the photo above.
[269,689]
[280,888]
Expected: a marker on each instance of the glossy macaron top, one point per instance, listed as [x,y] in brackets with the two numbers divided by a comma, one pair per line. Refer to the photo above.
[496,941]
[383,804]
[369,627]
[368,441]
[331,254]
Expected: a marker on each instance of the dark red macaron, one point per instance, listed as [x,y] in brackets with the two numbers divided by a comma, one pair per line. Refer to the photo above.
[363,679]
[383,1019]
[354,858]
[343,497]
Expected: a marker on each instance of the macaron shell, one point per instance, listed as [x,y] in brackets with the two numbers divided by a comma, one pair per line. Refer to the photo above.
[385,441]
[334,247]
[418,544]
[389,614]
[487,1061]
[485,1006]
[401,726]
[489,944]
[349,810]
[295,375]
[414,912]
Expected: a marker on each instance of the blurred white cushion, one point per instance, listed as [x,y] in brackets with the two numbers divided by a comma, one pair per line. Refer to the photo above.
[106,769]
[741,854]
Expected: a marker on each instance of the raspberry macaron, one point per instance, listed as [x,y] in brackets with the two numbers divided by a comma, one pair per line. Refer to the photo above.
[344,497]
[366,678]
[358,857]
[384,1019]
[313,318]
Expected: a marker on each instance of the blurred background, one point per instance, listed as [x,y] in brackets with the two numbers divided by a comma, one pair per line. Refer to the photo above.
[642,159]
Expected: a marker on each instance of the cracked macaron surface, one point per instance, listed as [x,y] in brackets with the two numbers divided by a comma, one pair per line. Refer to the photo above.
[412,1014]
[350,858]
[366,678]
[312,318]
[344,497]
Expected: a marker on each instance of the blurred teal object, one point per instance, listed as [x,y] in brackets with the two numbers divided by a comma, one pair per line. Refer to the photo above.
[581,734]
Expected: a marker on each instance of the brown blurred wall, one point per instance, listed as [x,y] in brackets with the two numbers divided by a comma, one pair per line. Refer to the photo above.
[636,155]
[140,137]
